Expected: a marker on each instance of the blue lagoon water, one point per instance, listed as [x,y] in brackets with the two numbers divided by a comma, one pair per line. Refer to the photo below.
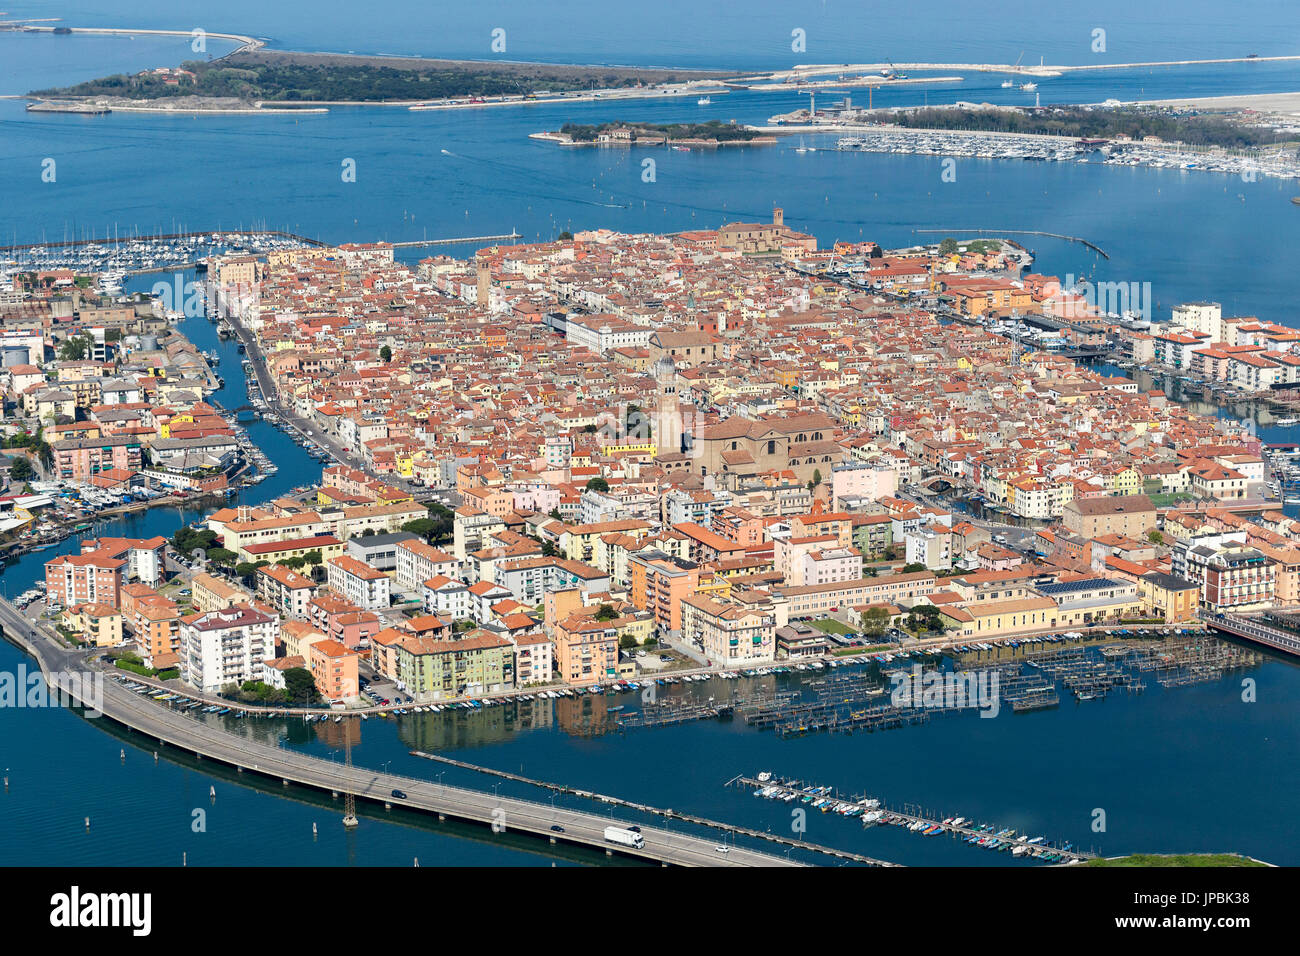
[1189,768]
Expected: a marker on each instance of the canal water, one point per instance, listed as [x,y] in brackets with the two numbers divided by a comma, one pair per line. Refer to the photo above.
[1192,768]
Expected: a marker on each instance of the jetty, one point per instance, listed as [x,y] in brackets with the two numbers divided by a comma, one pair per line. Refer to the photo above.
[729,828]
[872,811]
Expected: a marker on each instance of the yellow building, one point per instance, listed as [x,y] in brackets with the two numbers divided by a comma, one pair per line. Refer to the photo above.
[97,624]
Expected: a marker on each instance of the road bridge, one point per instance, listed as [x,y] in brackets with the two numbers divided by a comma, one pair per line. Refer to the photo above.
[1256,631]
[448,802]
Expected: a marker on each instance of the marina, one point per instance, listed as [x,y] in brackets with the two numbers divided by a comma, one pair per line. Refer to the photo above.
[1271,163]
[872,811]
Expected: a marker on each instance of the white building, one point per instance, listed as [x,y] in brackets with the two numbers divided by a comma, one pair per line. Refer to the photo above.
[357,581]
[226,646]
[831,565]
[417,562]
[447,598]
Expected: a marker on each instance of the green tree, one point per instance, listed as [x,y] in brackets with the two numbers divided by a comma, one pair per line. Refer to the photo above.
[187,539]
[626,641]
[565,236]
[914,566]
[549,550]
[1155,537]
[874,621]
[20,469]
[598,484]
[300,686]
[424,527]
[947,247]
[221,556]
[74,349]
[606,612]
[313,557]
[385,354]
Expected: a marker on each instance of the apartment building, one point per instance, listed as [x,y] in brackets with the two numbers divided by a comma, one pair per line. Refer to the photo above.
[417,562]
[286,590]
[730,634]
[91,578]
[357,581]
[226,646]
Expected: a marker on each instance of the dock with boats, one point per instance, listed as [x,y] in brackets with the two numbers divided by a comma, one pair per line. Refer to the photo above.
[871,811]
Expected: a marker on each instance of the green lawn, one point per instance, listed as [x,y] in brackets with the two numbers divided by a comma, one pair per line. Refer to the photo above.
[831,626]
[1178,859]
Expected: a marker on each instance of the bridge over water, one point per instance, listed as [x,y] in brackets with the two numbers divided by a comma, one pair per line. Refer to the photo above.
[205,741]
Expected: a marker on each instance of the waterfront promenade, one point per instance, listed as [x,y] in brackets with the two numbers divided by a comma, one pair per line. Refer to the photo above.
[447,802]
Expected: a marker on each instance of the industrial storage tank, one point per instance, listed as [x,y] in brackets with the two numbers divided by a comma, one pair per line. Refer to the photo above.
[16,355]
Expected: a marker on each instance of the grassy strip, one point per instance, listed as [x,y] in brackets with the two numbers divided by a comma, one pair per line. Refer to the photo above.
[1178,859]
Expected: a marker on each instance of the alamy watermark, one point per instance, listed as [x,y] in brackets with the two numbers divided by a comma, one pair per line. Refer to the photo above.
[947,689]
[1106,298]
[23,688]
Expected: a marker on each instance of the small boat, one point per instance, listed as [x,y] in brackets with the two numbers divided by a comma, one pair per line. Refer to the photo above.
[703,101]
[1028,87]
[1008,84]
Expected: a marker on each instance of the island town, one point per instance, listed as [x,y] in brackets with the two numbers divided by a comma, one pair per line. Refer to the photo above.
[609,458]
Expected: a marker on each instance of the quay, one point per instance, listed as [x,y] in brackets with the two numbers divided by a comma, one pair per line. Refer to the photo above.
[193,236]
[873,812]
[197,236]
[447,802]
[659,811]
[1021,232]
[416,243]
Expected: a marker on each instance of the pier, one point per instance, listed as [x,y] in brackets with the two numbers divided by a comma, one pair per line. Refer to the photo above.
[447,802]
[658,811]
[1020,232]
[872,811]
[232,233]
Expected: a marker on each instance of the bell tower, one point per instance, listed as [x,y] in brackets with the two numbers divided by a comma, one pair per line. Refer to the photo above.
[668,416]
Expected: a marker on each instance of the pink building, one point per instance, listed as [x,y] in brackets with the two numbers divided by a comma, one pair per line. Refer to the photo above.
[91,578]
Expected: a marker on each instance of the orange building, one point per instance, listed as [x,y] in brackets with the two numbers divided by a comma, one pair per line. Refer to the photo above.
[659,583]
[335,669]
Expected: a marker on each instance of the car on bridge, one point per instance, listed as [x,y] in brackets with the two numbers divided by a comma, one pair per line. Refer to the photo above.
[399,794]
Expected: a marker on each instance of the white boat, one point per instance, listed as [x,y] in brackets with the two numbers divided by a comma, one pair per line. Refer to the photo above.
[703,101]
[1287,421]
[764,777]
[1029,87]
[1008,84]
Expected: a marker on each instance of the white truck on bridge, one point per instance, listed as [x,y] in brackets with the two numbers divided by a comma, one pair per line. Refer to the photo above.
[624,837]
